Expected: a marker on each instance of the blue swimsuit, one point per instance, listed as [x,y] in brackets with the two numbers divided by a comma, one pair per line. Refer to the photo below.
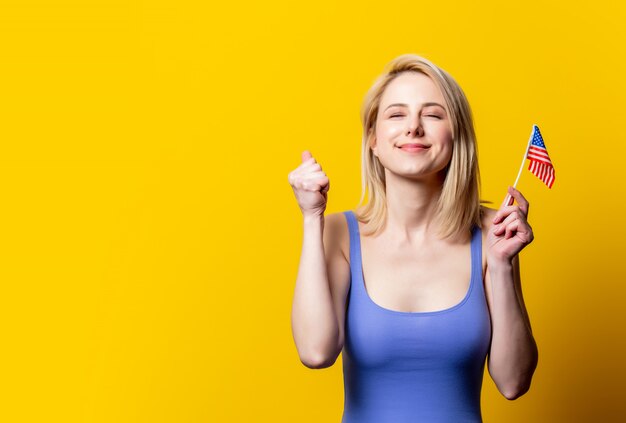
[425,367]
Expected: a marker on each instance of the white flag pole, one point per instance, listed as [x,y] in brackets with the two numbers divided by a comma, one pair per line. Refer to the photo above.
[508,196]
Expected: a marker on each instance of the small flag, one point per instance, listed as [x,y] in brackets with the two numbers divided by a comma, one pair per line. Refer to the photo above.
[540,164]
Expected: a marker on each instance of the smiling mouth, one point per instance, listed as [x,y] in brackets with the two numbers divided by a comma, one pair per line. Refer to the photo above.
[413,147]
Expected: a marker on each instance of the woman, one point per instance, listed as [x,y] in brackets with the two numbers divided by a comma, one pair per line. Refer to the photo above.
[420,284]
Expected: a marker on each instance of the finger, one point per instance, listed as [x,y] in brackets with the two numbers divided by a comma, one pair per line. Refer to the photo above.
[499,229]
[498,216]
[520,229]
[313,175]
[297,173]
[511,229]
[306,155]
[326,187]
[316,184]
[296,178]
[504,212]
[521,200]
[314,181]
[308,167]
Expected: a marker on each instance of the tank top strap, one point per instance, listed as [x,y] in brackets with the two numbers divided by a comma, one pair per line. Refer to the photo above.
[355,247]
[477,254]
[353,228]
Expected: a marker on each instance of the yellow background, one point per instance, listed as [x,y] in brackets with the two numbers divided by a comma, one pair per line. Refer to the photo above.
[150,238]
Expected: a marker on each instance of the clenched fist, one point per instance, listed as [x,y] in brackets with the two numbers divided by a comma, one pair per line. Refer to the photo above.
[310,185]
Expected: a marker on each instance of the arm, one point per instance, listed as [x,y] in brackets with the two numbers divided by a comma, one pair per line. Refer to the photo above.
[319,299]
[318,309]
[513,356]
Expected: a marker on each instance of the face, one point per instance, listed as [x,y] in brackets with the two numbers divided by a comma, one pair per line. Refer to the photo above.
[413,136]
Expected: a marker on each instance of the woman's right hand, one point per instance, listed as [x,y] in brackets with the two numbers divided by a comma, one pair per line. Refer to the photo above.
[310,185]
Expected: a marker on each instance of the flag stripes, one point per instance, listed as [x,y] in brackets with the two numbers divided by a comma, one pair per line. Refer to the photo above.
[542,171]
[540,164]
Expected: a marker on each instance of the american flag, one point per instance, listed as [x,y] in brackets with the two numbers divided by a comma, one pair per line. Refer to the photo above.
[540,164]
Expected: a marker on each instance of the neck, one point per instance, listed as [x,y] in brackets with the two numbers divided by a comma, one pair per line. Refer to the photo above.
[411,206]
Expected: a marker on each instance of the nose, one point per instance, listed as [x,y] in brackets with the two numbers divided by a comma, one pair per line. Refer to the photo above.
[415,127]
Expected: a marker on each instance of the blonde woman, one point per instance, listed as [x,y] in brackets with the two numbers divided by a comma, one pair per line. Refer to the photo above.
[421,285]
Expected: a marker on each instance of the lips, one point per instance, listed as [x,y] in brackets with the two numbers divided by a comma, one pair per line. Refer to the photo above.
[413,147]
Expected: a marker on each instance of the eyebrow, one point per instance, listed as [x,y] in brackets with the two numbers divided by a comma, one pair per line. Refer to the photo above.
[430,103]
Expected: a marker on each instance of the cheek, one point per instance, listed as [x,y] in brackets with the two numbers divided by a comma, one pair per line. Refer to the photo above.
[446,139]
[446,146]
[389,130]
[444,133]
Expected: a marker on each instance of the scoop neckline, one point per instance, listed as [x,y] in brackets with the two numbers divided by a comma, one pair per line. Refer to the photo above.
[411,313]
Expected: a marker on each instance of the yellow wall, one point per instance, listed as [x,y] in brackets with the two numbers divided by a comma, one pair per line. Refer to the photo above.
[150,239]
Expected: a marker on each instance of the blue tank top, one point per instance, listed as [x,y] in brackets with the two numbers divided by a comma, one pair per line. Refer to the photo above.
[402,367]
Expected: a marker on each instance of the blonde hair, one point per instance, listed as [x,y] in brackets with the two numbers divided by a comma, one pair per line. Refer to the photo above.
[458,207]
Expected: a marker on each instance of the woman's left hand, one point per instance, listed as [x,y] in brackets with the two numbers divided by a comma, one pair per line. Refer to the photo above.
[510,232]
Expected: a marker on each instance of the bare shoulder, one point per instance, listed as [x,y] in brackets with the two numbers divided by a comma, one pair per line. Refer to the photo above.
[336,234]
[486,216]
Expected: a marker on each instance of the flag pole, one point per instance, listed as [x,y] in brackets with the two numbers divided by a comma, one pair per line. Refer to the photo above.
[508,196]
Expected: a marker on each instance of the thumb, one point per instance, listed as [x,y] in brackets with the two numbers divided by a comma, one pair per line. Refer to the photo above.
[306,155]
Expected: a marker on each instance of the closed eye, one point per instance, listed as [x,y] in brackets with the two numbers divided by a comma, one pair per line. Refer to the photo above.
[435,116]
